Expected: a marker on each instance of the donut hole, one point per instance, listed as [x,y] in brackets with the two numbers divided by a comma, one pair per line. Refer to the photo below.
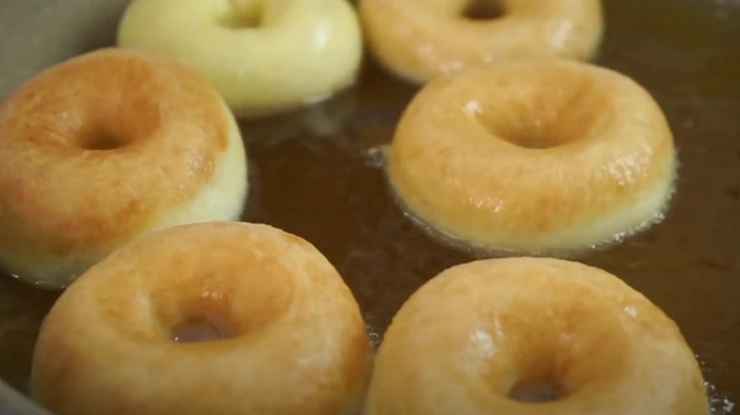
[199,320]
[482,10]
[239,17]
[201,305]
[101,139]
[537,391]
[533,119]
[550,357]
[213,316]
[202,329]
[532,141]
[536,130]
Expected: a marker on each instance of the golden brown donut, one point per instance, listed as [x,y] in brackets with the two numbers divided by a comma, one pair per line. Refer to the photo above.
[292,339]
[103,148]
[419,40]
[498,336]
[542,156]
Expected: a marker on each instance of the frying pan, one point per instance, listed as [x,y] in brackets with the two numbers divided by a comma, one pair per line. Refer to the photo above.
[316,179]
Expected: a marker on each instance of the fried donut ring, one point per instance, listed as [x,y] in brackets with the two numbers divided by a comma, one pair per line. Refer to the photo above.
[292,340]
[419,40]
[531,336]
[264,57]
[536,157]
[103,148]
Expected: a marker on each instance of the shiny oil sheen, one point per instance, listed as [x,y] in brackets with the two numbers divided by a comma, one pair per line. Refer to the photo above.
[314,176]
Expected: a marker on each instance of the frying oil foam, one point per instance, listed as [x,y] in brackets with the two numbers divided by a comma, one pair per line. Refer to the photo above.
[378,156]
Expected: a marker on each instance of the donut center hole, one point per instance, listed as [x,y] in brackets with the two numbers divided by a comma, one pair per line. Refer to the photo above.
[533,141]
[528,129]
[536,392]
[241,15]
[202,329]
[102,140]
[483,10]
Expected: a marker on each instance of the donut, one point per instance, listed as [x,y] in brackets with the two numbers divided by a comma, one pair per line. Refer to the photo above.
[540,157]
[280,332]
[525,336]
[419,40]
[264,57]
[104,147]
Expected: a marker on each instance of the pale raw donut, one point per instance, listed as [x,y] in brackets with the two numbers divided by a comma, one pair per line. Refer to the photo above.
[528,336]
[534,157]
[419,40]
[263,56]
[103,148]
[293,341]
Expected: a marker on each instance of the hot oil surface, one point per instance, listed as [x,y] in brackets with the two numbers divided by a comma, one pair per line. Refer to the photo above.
[319,185]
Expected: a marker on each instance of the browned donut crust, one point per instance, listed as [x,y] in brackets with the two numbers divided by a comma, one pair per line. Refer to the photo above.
[298,343]
[98,148]
[478,333]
